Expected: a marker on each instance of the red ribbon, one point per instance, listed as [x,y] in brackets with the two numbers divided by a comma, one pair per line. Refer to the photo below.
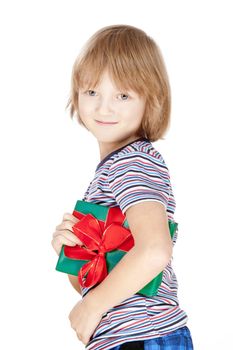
[99,237]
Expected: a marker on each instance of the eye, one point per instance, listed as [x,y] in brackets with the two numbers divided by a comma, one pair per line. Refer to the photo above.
[89,92]
[124,95]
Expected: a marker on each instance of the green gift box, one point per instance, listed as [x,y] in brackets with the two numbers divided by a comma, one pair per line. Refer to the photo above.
[106,238]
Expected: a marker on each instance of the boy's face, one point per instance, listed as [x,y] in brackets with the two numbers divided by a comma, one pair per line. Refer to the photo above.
[106,103]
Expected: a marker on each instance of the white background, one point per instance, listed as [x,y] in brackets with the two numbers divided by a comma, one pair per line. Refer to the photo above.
[44,167]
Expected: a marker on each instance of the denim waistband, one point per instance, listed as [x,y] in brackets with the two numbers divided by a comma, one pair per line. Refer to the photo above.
[155,343]
[183,330]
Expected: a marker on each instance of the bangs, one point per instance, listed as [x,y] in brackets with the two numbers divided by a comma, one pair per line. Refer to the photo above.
[120,56]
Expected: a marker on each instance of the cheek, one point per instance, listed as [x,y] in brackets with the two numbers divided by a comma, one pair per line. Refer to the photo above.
[134,113]
[84,107]
[83,110]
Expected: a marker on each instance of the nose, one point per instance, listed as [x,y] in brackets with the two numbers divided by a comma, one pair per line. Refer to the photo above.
[105,106]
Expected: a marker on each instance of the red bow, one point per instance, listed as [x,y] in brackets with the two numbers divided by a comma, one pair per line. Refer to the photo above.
[99,237]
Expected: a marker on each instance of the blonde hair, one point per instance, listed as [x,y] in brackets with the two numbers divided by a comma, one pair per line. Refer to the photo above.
[134,61]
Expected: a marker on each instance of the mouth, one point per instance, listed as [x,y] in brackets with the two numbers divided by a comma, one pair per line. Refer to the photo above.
[105,123]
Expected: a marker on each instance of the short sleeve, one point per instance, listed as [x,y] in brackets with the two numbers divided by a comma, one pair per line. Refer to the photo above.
[136,177]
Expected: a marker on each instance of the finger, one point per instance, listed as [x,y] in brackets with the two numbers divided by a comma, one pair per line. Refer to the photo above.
[68,235]
[66,225]
[58,245]
[63,240]
[68,216]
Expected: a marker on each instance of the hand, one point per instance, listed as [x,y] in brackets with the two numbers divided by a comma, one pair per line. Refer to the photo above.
[64,233]
[84,319]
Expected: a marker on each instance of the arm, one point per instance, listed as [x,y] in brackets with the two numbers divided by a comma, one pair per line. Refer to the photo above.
[150,254]
[74,281]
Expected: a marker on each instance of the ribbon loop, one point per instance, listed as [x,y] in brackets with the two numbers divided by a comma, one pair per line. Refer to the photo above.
[98,240]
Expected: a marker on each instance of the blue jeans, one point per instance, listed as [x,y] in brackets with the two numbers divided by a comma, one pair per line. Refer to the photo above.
[179,339]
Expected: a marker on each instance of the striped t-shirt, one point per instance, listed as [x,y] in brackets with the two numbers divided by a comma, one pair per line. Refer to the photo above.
[131,174]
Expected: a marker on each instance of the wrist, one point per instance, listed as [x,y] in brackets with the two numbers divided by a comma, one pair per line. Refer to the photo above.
[91,302]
